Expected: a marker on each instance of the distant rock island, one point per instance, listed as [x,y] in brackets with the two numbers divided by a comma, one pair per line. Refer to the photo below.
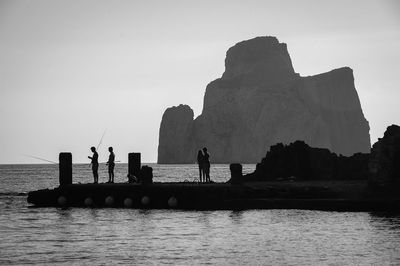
[260,101]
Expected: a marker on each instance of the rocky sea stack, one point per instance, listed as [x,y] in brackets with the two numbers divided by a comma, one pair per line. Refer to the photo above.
[260,101]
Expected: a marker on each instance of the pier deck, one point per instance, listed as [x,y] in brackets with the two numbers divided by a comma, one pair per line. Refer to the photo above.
[214,196]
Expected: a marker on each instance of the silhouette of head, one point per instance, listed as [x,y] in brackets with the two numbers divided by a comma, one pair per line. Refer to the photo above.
[110,149]
[93,149]
[205,149]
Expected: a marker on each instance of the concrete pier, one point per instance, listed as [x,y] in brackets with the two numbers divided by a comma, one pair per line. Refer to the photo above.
[234,195]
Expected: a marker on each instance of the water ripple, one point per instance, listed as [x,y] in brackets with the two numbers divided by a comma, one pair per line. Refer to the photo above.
[48,236]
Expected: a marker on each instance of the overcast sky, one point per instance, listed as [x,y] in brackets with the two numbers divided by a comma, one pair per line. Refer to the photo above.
[69,70]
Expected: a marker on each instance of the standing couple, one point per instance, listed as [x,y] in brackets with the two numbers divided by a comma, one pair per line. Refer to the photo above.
[95,165]
[203,160]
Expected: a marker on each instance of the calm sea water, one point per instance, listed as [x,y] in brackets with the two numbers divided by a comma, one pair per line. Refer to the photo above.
[152,237]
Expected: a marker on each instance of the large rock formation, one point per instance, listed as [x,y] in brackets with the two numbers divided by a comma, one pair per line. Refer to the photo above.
[260,101]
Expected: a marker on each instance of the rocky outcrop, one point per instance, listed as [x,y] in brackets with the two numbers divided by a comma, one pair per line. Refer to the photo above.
[177,128]
[260,101]
[384,165]
[298,161]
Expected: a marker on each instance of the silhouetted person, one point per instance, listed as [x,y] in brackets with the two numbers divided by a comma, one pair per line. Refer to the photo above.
[111,164]
[200,162]
[206,165]
[95,164]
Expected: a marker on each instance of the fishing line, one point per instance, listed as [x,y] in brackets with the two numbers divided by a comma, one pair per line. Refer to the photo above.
[38,158]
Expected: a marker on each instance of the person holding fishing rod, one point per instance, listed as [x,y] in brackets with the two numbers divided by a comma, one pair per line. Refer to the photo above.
[95,159]
[111,164]
[95,164]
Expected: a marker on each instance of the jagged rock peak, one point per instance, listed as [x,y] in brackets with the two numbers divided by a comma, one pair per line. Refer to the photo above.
[182,111]
[262,55]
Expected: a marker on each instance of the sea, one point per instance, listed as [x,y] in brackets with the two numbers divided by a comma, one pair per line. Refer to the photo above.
[120,236]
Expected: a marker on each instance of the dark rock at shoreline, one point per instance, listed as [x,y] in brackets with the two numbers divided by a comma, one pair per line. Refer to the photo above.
[298,161]
[260,101]
[384,165]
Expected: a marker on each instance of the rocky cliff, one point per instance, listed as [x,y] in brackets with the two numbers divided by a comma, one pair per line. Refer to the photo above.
[260,101]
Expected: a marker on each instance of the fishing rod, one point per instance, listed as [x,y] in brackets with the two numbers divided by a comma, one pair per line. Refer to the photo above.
[101,139]
[98,145]
[38,158]
[114,161]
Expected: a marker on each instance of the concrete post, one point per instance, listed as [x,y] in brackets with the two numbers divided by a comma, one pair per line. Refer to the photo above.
[147,174]
[134,164]
[236,173]
[65,168]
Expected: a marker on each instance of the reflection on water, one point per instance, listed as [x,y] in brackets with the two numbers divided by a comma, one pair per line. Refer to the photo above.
[110,236]
[143,237]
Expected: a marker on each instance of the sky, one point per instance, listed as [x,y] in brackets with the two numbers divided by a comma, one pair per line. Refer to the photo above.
[73,71]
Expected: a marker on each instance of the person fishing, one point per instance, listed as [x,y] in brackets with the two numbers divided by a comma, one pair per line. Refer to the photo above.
[200,162]
[95,164]
[206,165]
[111,164]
